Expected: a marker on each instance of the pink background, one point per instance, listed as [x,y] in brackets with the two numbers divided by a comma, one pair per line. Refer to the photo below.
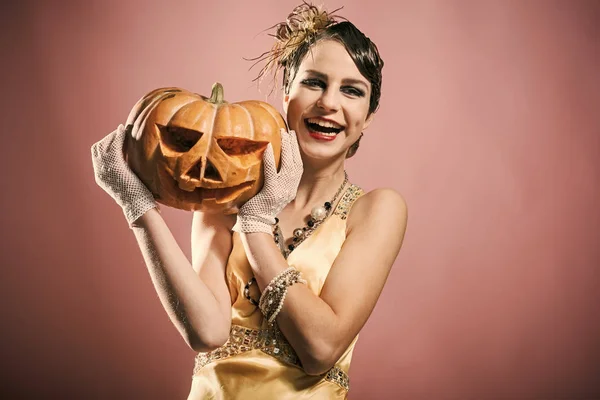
[488,126]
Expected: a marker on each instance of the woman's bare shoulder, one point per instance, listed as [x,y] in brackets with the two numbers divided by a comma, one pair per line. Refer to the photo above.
[380,207]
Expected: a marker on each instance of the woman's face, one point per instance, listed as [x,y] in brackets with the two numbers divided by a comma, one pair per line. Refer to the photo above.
[328,101]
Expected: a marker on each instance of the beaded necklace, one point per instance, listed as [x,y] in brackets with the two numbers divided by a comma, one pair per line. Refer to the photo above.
[317,215]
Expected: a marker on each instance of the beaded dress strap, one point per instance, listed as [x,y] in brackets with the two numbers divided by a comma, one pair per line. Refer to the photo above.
[345,204]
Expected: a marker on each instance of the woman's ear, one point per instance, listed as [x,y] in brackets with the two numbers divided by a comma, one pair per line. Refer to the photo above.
[368,120]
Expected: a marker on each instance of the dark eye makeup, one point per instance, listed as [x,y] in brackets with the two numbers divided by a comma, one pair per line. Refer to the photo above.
[312,82]
[351,90]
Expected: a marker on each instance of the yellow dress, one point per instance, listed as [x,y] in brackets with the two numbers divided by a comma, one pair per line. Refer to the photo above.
[257,362]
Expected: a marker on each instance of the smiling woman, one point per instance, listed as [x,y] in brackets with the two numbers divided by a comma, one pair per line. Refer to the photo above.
[275,296]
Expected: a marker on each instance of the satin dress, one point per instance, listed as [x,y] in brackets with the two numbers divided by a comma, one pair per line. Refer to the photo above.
[257,362]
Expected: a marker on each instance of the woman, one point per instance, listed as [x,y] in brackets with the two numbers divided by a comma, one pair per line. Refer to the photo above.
[274,308]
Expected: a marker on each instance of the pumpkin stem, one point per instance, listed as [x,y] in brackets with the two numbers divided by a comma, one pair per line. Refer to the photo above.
[216,96]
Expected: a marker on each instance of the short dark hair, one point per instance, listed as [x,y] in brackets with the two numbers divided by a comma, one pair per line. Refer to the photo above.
[362,50]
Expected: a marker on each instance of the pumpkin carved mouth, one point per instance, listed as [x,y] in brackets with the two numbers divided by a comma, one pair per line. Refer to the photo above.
[199,194]
[223,195]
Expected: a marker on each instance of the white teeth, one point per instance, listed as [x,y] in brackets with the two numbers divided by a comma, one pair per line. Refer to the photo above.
[325,124]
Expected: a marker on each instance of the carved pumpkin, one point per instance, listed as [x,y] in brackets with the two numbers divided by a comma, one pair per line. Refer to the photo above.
[198,153]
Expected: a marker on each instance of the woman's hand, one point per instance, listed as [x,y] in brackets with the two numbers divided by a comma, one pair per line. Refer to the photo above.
[118,180]
[258,214]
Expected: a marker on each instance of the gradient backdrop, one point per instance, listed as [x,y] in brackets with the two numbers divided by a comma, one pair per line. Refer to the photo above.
[488,126]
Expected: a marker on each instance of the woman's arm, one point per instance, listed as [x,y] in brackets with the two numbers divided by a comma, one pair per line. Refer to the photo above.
[195,298]
[320,328]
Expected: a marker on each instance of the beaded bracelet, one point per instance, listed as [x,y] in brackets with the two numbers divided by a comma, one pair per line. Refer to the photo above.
[279,298]
[271,300]
[275,290]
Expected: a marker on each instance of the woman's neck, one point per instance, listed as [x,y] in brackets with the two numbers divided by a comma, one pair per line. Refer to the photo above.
[318,184]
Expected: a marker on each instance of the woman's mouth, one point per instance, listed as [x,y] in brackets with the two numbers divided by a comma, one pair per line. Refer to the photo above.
[321,129]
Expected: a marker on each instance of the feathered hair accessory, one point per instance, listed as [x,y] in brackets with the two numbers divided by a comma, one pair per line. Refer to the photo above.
[302,26]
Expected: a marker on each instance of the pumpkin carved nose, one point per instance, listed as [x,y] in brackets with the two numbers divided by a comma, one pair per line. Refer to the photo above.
[194,172]
[212,173]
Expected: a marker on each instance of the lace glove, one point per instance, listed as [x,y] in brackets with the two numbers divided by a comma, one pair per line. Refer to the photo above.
[117,179]
[258,213]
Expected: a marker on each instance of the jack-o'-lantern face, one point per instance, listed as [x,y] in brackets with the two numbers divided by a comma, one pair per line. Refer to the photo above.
[198,153]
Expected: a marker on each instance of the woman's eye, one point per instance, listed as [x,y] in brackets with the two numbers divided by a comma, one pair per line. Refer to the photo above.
[353,91]
[313,83]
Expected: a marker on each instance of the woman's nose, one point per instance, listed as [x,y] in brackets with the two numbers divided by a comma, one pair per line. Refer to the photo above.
[329,100]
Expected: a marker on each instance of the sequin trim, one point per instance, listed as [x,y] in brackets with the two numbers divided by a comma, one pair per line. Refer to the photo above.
[271,341]
[352,193]
[241,339]
[336,375]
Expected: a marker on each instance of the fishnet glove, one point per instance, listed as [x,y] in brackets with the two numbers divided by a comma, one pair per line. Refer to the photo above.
[117,179]
[258,213]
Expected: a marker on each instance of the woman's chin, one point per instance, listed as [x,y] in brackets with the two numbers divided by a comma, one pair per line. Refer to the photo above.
[316,151]
[318,148]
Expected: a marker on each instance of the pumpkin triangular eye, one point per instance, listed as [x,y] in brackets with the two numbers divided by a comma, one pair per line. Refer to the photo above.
[178,138]
[234,146]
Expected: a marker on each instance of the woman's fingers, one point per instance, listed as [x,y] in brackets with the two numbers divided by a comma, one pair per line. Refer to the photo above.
[290,151]
[287,155]
[110,148]
[102,145]
[296,147]
[269,162]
